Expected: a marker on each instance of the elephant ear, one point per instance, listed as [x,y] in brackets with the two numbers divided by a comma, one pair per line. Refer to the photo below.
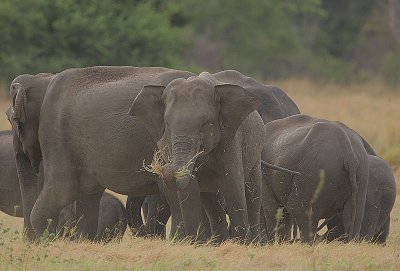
[236,103]
[147,107]
[18,96]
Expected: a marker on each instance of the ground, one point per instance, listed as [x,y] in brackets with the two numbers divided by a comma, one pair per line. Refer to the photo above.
[372,109]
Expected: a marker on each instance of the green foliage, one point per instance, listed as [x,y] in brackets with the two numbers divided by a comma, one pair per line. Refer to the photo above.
[391,68]
[43,35]
[326,40]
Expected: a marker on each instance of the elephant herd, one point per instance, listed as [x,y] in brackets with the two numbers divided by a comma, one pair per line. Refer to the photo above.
[193,148]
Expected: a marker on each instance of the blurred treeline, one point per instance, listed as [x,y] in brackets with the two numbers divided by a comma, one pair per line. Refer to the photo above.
[330,40]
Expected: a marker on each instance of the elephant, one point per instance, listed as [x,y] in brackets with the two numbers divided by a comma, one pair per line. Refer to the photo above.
[112,214]
[76,123]
[381,195]
[210,131]
[112,220]
[24,119]
[276,104]
[10,195]
[310,145]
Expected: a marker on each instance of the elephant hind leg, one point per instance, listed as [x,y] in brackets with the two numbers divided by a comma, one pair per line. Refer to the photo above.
[381,236]
[253,181]
[271,207]
[60,189]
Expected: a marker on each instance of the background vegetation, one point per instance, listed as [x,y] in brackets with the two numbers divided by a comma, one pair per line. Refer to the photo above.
[326,40]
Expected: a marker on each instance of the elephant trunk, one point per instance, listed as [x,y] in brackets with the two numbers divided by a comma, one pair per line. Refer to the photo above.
[184,153]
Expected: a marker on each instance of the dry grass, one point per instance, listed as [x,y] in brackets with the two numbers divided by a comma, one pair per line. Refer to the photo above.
[371,109]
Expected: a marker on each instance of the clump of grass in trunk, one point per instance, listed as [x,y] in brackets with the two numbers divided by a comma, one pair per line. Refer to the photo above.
[157,164]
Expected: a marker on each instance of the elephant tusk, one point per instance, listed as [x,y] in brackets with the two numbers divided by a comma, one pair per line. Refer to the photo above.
[271,166]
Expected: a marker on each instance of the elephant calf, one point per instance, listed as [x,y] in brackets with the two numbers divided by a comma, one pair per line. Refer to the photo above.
[112,218]
[381,194]
[10,195]
[308,145]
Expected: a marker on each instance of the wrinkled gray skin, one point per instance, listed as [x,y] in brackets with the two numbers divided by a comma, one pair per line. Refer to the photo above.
[276,104]
[214,130]
[112,214]
[23,114]
[88,142]
[111,222]
[10,195]
[381,195]
[308,144]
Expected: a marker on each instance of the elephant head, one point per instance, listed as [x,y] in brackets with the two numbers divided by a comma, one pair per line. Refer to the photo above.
[27,94]
[191,117]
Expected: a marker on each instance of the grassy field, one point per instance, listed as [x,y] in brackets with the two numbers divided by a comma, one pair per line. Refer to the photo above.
[371,109]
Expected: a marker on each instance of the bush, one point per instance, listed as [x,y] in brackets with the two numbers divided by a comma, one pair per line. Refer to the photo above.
[391,68]
[49,36]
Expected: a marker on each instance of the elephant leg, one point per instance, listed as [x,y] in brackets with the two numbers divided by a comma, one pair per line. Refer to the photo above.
[60,189]
[206,225]
[270,207]
[263,228]
[191,208]
[48,205]
[28,182]
[253,186]
[177,228]
[335,228]
[87,213]
[158,213]
[133,209]
[233,190]
[306,227]
[216,215]
[381,236]
[286,225]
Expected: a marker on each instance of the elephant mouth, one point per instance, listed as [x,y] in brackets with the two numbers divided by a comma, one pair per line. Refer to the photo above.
[174,177]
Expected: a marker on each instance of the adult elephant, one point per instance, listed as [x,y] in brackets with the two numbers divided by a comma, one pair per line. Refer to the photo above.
[79,125]
[112,214]
[308,145]
[276,104]
[381,195]
[27,93]
[212,135]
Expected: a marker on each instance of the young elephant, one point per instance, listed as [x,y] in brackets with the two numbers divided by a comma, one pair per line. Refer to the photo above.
[309,145]
[112,218]
[211,131]
[381,194]
[10,195]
